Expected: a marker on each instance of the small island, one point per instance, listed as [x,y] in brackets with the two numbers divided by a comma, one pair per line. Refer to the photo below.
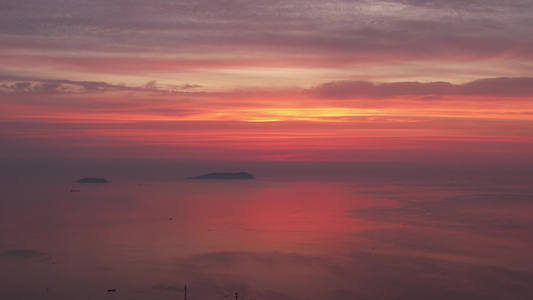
[222,175]
[92,180]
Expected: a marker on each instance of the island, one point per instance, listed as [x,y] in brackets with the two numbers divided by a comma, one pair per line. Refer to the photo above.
[92,180]
[222,175]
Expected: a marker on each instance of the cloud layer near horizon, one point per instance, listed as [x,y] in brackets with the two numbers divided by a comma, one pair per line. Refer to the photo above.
[333,121]
[490,87]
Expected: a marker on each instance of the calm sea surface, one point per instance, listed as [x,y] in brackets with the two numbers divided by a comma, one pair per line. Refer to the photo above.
[380,238]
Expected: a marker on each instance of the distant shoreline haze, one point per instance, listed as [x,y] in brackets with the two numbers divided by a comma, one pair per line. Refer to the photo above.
[69,170]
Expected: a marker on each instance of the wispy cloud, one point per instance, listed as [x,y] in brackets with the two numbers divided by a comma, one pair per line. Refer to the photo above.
[490,87]
[168,36]
[306,79]
[50,87]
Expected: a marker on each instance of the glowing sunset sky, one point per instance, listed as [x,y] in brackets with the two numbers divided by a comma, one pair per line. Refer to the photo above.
[267,80]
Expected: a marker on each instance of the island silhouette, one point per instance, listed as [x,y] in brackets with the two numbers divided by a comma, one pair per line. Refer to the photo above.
[223,175]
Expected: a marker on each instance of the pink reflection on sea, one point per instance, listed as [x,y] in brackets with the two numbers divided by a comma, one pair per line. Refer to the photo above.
[267,239]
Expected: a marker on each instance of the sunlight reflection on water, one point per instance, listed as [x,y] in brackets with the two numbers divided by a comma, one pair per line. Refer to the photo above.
[267,239]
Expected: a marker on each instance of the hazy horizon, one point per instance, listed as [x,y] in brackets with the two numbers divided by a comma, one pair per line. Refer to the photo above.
[270,170]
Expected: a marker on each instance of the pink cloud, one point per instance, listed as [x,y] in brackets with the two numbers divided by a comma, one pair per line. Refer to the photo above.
[504,86]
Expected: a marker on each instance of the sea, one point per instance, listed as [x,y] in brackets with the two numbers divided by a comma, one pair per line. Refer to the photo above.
[456,236]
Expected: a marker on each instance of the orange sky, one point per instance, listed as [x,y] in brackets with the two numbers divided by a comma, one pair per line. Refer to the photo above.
[337,81]
[293,125]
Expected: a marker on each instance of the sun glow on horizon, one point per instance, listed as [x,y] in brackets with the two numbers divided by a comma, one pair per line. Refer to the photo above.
[326,81]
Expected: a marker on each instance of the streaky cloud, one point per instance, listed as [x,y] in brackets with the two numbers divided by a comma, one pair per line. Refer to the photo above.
[64,86]
[502,86]
[497,87]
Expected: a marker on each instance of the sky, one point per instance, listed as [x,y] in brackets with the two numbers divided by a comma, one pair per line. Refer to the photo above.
[299,81]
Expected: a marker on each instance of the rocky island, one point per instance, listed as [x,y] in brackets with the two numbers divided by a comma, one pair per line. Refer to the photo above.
[93,180]
[222,175]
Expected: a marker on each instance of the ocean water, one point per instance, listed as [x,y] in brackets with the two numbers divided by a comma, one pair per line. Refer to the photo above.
[359,238]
